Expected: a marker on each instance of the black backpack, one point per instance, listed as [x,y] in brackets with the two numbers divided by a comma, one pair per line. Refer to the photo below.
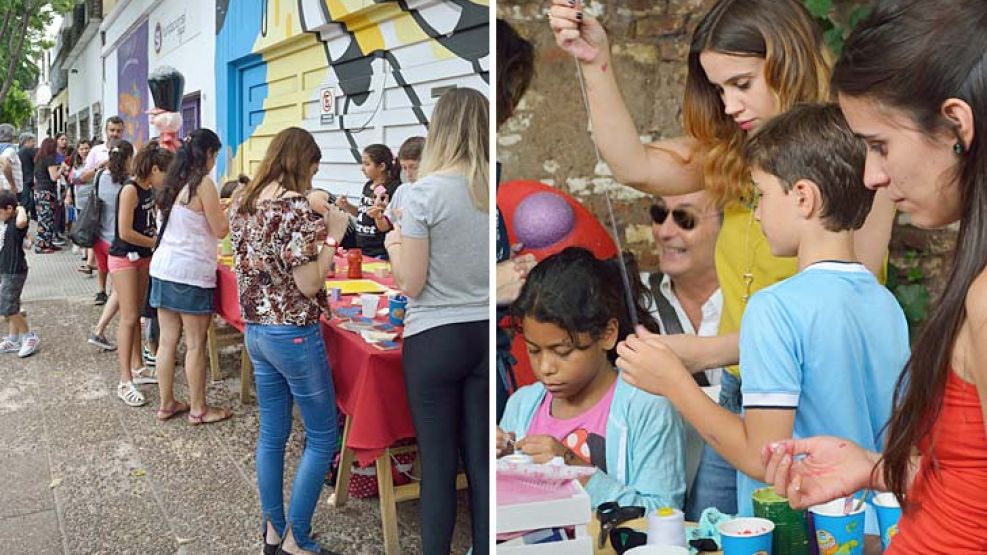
[85,232]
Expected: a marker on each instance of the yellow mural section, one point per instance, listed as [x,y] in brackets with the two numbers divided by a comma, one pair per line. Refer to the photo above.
[297,65]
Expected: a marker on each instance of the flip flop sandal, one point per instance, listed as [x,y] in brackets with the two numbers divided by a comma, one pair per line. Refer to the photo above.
[177,408]
[200,419]
[85,269]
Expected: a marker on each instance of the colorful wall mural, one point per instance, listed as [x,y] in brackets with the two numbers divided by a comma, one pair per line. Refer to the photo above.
[132,92]
[384,63]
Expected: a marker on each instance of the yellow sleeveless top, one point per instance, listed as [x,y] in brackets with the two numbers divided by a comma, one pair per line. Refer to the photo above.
[741,247]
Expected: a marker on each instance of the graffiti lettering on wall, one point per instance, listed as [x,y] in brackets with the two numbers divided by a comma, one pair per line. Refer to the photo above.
[132,92]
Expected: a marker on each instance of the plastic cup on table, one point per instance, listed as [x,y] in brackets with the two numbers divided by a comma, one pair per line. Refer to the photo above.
[791,536]
[369,304]
[888,512]
[837,532]
[746,536]
[396,307]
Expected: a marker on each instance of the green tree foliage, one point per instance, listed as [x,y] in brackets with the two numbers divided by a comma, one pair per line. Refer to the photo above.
[17,107]
[22,39]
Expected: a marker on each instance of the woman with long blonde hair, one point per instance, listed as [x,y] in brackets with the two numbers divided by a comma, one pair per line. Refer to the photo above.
[283,247]
[748,61]
[439,255]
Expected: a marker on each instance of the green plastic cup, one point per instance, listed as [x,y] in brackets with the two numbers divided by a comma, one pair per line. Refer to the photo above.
[790,535]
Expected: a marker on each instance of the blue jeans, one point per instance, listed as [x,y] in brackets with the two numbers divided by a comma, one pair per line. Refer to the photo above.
[716,480]
[290,364]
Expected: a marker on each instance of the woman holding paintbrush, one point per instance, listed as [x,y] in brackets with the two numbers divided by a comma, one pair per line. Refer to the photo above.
[923,113]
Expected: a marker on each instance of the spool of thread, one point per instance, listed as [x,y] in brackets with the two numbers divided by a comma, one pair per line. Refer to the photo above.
[666,526]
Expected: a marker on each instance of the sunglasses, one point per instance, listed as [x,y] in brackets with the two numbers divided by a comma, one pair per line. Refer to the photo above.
[683,218]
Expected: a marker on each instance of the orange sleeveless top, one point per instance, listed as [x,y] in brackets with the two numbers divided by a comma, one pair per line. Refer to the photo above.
[950,511]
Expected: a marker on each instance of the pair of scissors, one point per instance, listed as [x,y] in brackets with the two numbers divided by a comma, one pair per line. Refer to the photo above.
[611,515]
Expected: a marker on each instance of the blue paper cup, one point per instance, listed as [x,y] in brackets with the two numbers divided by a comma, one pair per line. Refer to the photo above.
[746,536]
[395,309]
[888,512]
[837,532]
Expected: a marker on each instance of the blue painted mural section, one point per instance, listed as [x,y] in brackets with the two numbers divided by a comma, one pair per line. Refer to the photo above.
[240,74]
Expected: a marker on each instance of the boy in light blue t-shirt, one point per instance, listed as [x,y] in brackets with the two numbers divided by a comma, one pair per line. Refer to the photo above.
[820,352]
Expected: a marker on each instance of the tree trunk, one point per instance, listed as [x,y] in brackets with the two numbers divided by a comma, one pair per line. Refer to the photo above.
[15,56]
[6,22]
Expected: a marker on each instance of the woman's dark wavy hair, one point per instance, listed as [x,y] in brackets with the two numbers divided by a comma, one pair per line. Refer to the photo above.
[77,160]
[47,148]
[911,56]
[151,155]
[189,167]
[515,69]
[117,164]
[581,294]
[381,154]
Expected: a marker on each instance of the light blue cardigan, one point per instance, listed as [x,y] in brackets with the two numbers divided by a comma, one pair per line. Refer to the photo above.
[645,446]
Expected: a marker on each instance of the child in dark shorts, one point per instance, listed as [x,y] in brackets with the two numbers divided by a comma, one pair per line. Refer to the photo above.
[13,274]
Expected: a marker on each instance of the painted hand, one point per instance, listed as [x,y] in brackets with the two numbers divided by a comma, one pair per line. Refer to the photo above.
[649,364]
[818,469]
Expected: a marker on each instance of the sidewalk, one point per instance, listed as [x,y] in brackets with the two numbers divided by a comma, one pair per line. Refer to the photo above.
[83,473]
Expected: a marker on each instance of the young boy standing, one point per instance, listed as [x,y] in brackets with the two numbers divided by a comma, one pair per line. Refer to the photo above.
[13,274]
[819,352]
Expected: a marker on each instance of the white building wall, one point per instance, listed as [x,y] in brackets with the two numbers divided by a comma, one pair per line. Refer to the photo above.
[188,44]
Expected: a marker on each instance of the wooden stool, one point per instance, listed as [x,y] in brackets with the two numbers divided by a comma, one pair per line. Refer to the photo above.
[231,337]
[390,495]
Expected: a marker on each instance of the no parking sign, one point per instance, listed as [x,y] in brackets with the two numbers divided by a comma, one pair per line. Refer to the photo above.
[327,105]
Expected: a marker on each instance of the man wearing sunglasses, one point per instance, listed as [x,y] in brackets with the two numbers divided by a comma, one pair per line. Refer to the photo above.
[686,299]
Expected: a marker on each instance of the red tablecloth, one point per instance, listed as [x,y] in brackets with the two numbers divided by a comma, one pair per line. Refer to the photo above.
[369,382]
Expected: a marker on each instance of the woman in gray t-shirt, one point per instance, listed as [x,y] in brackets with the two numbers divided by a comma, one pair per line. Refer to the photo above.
[440,258]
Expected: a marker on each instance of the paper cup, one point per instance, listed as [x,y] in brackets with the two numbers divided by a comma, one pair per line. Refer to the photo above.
[657,550]
[888,512]
[836,532]
[369,303]
[396,308]
[746,536]
[790,535]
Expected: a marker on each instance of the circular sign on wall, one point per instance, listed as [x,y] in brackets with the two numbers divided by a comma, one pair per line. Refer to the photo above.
[157,37]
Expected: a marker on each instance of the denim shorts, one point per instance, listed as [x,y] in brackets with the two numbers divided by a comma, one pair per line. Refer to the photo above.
[180,297]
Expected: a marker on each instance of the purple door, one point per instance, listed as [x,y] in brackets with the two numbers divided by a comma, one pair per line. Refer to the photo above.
[190,113]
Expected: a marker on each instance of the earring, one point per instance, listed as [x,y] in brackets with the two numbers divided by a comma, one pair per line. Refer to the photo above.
[958,149]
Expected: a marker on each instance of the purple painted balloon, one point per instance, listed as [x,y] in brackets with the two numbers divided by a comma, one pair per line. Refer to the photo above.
[542,219]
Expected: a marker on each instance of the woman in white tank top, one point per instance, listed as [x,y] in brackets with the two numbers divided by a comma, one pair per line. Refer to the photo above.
[183,273]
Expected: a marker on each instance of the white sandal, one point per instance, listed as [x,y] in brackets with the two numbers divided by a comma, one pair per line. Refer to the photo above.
[129,394]
[144,375]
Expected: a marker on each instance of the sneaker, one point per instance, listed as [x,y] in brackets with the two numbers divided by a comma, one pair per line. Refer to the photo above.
[29,344]
[149,359]
[44,250]
[75,249]
[101,298]
[9,345]
[101,341]
[128,393]
[58,242]
[144,375]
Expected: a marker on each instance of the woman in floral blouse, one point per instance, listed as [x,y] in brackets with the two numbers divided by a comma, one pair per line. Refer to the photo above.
[283,248]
